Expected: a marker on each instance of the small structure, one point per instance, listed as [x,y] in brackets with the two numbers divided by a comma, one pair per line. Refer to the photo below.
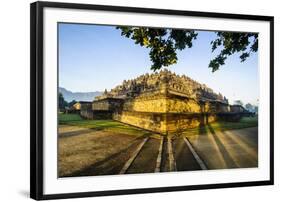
[237,109]
[80,105]
[76,106]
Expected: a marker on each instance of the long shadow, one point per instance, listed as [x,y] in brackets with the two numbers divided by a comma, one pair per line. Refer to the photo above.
[202,126]
[251,143]
[226,156]
[202,130]
[87,130]
[93,169]
[252,158]
[75,133]
[164,156]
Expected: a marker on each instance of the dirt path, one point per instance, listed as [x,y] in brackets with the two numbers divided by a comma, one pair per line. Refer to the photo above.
[80,153]
[87,152]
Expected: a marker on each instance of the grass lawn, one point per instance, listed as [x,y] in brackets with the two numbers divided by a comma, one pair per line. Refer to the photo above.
[117,127]
[100,125]
[66,118]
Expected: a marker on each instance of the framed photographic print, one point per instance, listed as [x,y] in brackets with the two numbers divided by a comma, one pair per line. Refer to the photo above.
[136,100]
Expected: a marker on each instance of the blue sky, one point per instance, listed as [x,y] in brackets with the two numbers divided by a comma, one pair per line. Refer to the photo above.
[95,57]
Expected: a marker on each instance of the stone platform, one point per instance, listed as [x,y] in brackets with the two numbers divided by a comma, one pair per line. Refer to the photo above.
[164,103]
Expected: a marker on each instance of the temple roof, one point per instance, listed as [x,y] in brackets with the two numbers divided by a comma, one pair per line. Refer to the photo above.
[180,84]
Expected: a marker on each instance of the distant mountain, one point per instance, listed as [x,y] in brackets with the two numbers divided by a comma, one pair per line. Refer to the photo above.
[78,96]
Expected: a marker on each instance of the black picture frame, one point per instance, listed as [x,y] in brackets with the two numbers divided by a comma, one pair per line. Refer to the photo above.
[36,99]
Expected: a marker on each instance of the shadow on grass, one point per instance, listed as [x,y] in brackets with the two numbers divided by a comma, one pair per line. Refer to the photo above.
[74,133]
[202,130]
[99,125]
[84,131]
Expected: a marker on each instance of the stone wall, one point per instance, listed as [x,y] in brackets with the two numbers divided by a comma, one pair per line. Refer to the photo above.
[86,110]
[164,123]
[173,104]
[155,104]
[180,121]
[182,105]
[107,104]
[162,103]
[95,114]
[87,114]
[101,105]
[149,121]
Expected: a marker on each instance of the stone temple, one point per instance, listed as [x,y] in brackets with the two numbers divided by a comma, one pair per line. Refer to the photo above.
[162,102]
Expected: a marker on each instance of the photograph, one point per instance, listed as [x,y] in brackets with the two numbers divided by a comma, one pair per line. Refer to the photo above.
[145,100]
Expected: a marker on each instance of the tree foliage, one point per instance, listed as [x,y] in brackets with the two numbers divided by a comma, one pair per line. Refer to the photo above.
[231,43]
[70,104]
[62,102]
[249,107]
[164,44]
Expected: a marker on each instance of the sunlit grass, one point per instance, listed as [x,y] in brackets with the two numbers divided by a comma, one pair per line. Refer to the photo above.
[245,122]
[65,118]
[100,125]
[117,127]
